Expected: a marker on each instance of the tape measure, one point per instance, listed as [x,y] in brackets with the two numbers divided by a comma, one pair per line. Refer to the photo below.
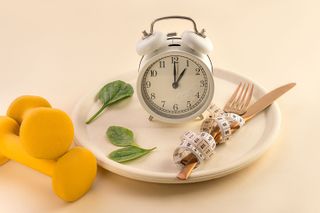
[201,146]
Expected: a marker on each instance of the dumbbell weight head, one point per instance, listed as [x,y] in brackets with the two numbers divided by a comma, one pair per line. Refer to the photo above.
[11,148]
[21,105]
[74,174]
[7,126]
[3,159]
[46,133]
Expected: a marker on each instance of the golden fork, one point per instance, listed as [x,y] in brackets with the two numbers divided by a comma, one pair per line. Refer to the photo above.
[238,104]
[240,99]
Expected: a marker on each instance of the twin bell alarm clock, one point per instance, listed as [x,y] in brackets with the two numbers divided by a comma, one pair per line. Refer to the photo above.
[175,82]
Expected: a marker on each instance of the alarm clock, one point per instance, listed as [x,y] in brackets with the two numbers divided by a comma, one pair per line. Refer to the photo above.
[175,82]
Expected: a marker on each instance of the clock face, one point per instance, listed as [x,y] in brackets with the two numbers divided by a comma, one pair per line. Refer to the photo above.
[175,86]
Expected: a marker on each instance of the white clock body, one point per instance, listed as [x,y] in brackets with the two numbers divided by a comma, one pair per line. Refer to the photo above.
[175,83]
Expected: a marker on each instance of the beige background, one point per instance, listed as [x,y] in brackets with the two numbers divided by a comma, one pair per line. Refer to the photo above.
[61,49]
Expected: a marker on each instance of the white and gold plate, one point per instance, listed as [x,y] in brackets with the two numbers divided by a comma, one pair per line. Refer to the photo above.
[243,148]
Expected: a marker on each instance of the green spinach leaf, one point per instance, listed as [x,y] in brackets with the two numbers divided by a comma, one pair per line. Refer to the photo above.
[120,136]
[128,153]
[110,94]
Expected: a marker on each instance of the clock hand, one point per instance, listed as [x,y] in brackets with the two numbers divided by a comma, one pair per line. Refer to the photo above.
[176,83]
[180,76]
[174,73]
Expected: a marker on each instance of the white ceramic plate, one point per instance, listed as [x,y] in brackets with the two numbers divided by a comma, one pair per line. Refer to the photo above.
[244,147]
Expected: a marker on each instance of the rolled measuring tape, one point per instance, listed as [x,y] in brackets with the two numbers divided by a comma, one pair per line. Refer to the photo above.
[209,123]
[215,111]
[201,146]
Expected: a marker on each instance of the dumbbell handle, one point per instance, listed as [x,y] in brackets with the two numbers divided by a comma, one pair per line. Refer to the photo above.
[11,148]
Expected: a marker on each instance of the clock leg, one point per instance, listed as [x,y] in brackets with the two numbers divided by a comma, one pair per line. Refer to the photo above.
[200,117]
[150,118]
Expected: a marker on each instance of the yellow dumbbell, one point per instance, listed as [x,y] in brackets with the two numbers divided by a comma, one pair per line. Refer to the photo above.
[73,171]
[44,132]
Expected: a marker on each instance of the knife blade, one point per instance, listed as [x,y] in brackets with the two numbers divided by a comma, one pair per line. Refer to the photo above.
[266,100]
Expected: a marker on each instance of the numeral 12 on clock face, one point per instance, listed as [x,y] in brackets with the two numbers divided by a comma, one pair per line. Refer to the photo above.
[175,86]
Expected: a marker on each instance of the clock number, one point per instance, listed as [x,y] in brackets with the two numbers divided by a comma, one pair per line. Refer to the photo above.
[148,84]
[188,104]
[163,103]
[152,96]
[187,63]
[162,64]
[198,95]
[175,107]
[202,83]
[174,59]
[153,73]
[198,71]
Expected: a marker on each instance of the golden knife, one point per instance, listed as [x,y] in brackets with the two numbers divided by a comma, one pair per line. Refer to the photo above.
[253,110]
[266,101]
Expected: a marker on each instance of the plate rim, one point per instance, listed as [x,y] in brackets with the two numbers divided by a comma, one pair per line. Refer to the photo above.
[198,176]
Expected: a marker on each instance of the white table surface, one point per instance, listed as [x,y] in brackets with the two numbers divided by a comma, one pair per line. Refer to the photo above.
[62,49]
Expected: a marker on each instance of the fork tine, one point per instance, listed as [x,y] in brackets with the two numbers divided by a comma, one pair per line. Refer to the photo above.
[249,95]
[237,92]
[243,96]
[236,101]
[240,99]
[234,95]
